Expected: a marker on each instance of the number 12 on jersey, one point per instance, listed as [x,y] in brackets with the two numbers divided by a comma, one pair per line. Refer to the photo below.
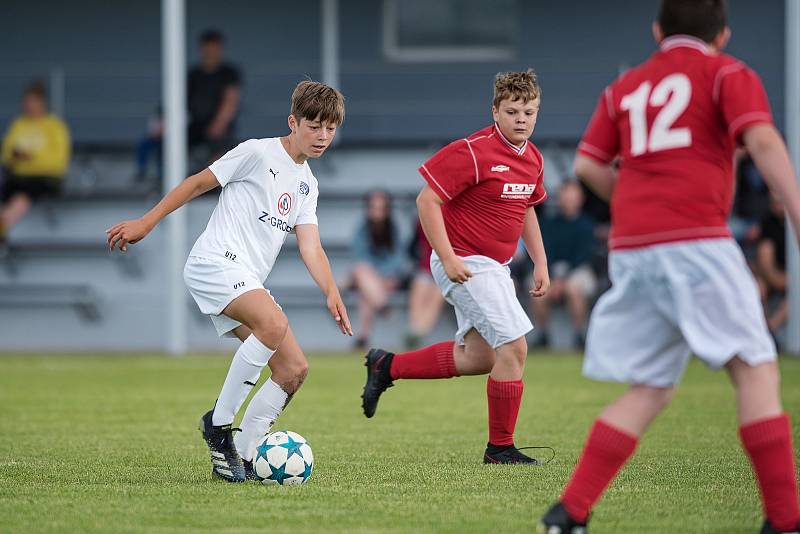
[674,93]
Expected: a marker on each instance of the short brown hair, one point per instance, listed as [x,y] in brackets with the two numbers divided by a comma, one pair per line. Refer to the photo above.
[36,88]
[314,100]
[516,86]
[703,19]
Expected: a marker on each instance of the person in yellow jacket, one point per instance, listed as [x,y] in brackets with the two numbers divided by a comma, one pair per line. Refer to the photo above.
[35,157]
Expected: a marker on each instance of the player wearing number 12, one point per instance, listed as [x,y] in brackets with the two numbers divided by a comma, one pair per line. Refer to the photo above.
[680,283]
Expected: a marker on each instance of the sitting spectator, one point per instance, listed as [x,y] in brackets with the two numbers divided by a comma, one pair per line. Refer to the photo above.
[35,157]
[750,205]
[379,258]
[570,243]
[425,299]
[213,98]
[771,266]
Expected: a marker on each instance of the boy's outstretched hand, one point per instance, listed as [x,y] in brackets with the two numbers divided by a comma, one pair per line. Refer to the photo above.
[541,282]
[126,232]
[339,313]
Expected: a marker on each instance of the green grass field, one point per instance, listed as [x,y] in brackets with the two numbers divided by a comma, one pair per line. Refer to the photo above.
[94,443]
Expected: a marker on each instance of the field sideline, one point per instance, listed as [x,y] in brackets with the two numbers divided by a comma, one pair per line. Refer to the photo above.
[93,443]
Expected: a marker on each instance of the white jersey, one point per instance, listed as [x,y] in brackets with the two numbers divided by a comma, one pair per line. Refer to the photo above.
[265,194]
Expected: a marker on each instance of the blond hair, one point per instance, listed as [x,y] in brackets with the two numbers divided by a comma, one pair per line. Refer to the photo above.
[313,100]
[516,86]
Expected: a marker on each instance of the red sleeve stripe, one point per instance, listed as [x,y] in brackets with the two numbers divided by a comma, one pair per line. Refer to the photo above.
[721,73]
[473,159]
[595,152]
[424,168]
[741,120]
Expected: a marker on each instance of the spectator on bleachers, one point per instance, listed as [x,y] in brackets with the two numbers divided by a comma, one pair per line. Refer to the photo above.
[379,262]
[214,94]
[570,244]
[150,145]
[35,157]
[750,206]
[425,299]
[771,265]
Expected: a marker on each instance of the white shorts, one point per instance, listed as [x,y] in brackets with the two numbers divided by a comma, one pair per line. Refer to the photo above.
[667,301]
[486,302]
[214,285]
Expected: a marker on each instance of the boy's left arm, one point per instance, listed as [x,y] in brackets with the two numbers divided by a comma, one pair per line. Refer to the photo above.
[532,237]
[316,262]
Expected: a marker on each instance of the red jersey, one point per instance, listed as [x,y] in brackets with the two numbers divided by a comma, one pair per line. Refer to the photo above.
[674,122]
[487,184]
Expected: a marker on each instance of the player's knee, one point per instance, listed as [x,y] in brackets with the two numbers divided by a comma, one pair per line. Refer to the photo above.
[763,377]
[516,351]
[272,331]
[658,398]
[519,348]
[484,362]
[574,290]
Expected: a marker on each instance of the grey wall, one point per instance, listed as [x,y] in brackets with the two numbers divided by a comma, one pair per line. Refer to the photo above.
[110,55]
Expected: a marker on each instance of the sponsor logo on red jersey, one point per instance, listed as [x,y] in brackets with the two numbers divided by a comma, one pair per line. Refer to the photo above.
[517,191]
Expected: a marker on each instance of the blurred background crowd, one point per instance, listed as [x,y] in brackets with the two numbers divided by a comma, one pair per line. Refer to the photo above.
[82,146]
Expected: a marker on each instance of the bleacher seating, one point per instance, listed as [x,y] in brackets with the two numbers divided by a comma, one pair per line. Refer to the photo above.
[51,262]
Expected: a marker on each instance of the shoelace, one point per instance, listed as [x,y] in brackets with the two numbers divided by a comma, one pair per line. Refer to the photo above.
[551,449]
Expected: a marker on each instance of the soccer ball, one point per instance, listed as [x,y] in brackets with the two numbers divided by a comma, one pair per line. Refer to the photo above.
[284,457]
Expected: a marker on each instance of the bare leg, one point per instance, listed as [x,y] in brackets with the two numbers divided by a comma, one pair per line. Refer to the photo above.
[372,296]
[541,311]
[510,362]
[268,326]
[577,305]
[258,311]
[757,390]
[475,357]
[424,306]
[14,210]
[637,408]
[766,436]
[289,369]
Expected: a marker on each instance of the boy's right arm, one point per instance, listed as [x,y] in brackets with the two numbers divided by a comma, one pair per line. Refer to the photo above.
[429,206]
[132,231]
[765,145]
[599,177]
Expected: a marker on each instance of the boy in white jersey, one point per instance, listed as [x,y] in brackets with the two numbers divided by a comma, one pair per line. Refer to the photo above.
[268,191]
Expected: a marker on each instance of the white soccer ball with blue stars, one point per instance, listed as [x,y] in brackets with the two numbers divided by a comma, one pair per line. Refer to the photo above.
[285,458]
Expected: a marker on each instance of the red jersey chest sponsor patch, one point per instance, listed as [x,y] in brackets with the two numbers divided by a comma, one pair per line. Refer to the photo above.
[517,191]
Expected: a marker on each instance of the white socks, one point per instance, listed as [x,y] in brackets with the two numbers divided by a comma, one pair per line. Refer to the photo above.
[246,366]
[265,406]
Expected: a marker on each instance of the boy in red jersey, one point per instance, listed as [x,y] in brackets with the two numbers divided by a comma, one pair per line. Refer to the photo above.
[680,283]
[478,201]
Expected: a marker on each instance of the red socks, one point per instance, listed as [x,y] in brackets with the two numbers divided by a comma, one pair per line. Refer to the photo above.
[769,445]
[606,451]
[504,401]
[433,361]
